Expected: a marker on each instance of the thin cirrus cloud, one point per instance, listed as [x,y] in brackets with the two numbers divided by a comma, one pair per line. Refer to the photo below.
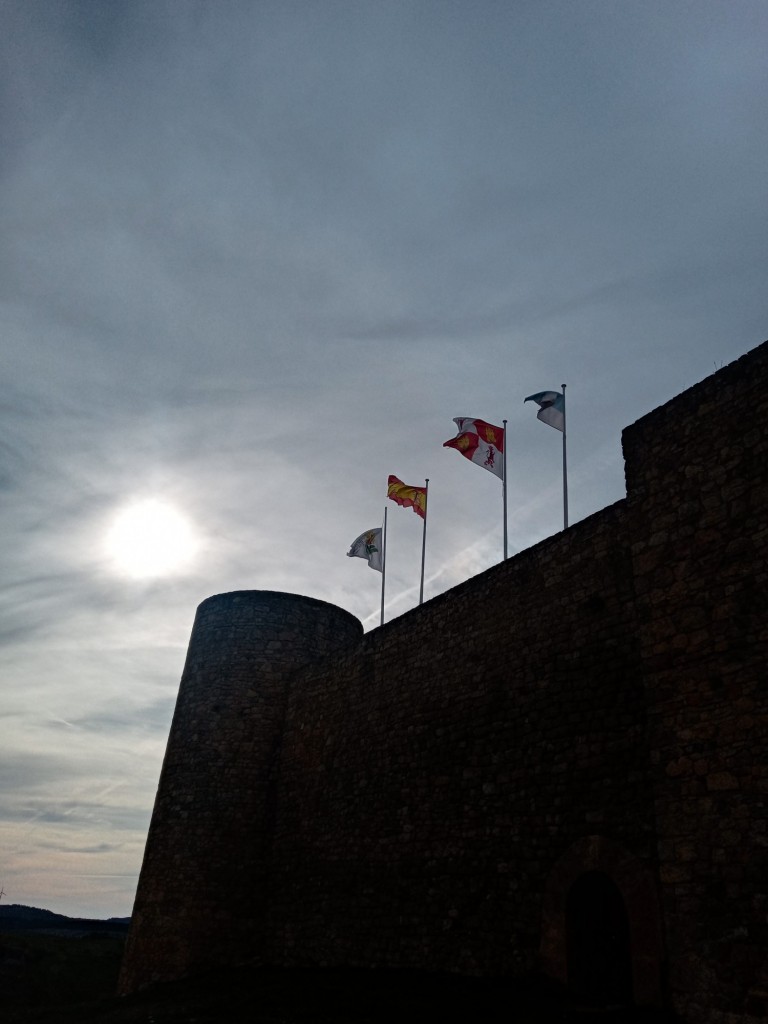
[253,261]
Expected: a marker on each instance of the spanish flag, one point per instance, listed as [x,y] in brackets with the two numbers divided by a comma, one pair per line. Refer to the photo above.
[408,497]
[480,442]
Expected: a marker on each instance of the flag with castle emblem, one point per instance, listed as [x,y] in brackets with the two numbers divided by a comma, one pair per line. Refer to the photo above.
[408,497]
[480,442]
[368,546]
[551,408]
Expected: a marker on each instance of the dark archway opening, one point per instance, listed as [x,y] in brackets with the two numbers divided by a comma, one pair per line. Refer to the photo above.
[597,936]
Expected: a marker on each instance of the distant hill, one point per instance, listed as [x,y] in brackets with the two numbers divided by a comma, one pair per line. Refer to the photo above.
[17,918]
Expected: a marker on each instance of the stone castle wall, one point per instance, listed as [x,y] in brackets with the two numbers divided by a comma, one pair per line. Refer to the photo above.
[203,883]
[697,484]
[432,794]
[445,764]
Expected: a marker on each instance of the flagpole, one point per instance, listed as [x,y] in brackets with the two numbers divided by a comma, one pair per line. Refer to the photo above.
[504,486]
[424,541]
[383,563]
[565,470]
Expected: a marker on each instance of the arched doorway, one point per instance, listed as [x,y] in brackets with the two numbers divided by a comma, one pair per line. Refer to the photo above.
[597,941]
[597,887]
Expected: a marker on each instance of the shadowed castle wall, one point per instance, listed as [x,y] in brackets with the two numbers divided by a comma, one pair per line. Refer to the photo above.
[430,794]
[203,885]
[431,777]
[697,484]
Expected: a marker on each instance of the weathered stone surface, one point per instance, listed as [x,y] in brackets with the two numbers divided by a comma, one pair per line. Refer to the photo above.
[204,879]
[706,699]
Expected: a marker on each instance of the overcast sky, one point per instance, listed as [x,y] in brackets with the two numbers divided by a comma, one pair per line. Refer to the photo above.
[255,257]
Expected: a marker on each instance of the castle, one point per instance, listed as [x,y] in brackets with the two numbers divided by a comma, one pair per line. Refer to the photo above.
[558,766]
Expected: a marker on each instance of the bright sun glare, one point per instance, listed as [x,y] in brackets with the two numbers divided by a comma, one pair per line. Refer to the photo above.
[150,538]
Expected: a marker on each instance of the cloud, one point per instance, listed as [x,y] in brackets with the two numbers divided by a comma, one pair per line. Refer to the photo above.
[98,848]
[256,257]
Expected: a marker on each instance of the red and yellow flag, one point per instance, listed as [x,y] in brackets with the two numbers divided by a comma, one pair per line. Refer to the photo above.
[408,497]
[480,442]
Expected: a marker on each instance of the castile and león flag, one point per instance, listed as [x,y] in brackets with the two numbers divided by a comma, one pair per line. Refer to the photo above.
[485,445]
[481,443]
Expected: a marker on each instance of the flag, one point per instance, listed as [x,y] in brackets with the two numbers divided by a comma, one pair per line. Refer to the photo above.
[551,408]
[408,497]
[368,546]
[480,442]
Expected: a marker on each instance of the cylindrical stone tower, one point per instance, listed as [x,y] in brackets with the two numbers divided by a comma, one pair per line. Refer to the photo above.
[203,879]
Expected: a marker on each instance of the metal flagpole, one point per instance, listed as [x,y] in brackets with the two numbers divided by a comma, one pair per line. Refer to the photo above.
[504,486]
[565,470]
[383,563]
[424,541]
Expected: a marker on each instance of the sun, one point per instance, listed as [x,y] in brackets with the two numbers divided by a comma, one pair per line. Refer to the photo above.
[150,538]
